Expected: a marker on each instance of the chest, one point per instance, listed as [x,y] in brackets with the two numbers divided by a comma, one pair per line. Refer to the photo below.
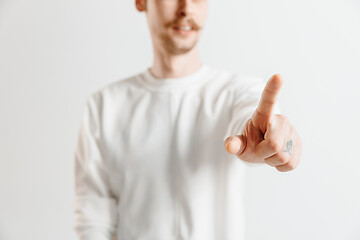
[151,135]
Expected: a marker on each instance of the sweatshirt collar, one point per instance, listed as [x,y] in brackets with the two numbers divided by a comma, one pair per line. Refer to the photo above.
[179,83]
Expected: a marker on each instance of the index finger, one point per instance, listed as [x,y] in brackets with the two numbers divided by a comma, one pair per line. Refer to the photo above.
[268,98]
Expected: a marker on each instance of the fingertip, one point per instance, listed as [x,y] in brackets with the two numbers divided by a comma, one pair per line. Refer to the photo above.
[232,147]
[227,141]
[278,80]
[232,144]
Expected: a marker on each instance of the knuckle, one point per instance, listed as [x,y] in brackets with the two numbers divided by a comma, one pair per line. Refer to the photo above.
[283,118]
[275,145]
[283,160]
[269,101]
[291,165]
[270,163]
[282,168]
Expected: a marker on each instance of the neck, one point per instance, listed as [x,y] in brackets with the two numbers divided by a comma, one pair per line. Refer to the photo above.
[167,65]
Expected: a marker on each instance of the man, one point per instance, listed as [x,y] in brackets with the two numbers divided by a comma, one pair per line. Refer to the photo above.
[150,159]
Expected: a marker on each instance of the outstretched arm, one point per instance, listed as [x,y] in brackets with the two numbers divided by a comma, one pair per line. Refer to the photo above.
[266,137]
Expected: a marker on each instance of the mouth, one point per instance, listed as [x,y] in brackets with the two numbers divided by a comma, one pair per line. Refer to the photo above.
[183,29]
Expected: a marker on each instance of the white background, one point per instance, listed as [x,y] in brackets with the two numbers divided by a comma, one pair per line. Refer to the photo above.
[54,53]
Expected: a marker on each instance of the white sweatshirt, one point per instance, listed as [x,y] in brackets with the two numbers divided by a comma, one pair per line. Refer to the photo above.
[150,162]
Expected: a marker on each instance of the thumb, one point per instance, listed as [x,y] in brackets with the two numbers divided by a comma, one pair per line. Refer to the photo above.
[235,144]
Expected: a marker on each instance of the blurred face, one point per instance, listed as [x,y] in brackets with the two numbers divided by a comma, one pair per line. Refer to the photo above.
[175,25]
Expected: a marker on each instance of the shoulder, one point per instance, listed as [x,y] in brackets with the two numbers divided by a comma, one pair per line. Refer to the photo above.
[114,89]
[237,82]
[242,83]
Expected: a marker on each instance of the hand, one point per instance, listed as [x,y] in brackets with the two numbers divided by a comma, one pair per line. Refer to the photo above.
[268,138]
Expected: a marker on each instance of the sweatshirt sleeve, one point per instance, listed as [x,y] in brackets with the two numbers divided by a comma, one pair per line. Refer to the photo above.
[95,214]
[246,97]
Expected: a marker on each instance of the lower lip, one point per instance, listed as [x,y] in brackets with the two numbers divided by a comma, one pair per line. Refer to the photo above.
[183,32]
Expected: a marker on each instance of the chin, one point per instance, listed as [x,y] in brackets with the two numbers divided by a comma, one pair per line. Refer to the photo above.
[178,44]
[180,47]
[179,51]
